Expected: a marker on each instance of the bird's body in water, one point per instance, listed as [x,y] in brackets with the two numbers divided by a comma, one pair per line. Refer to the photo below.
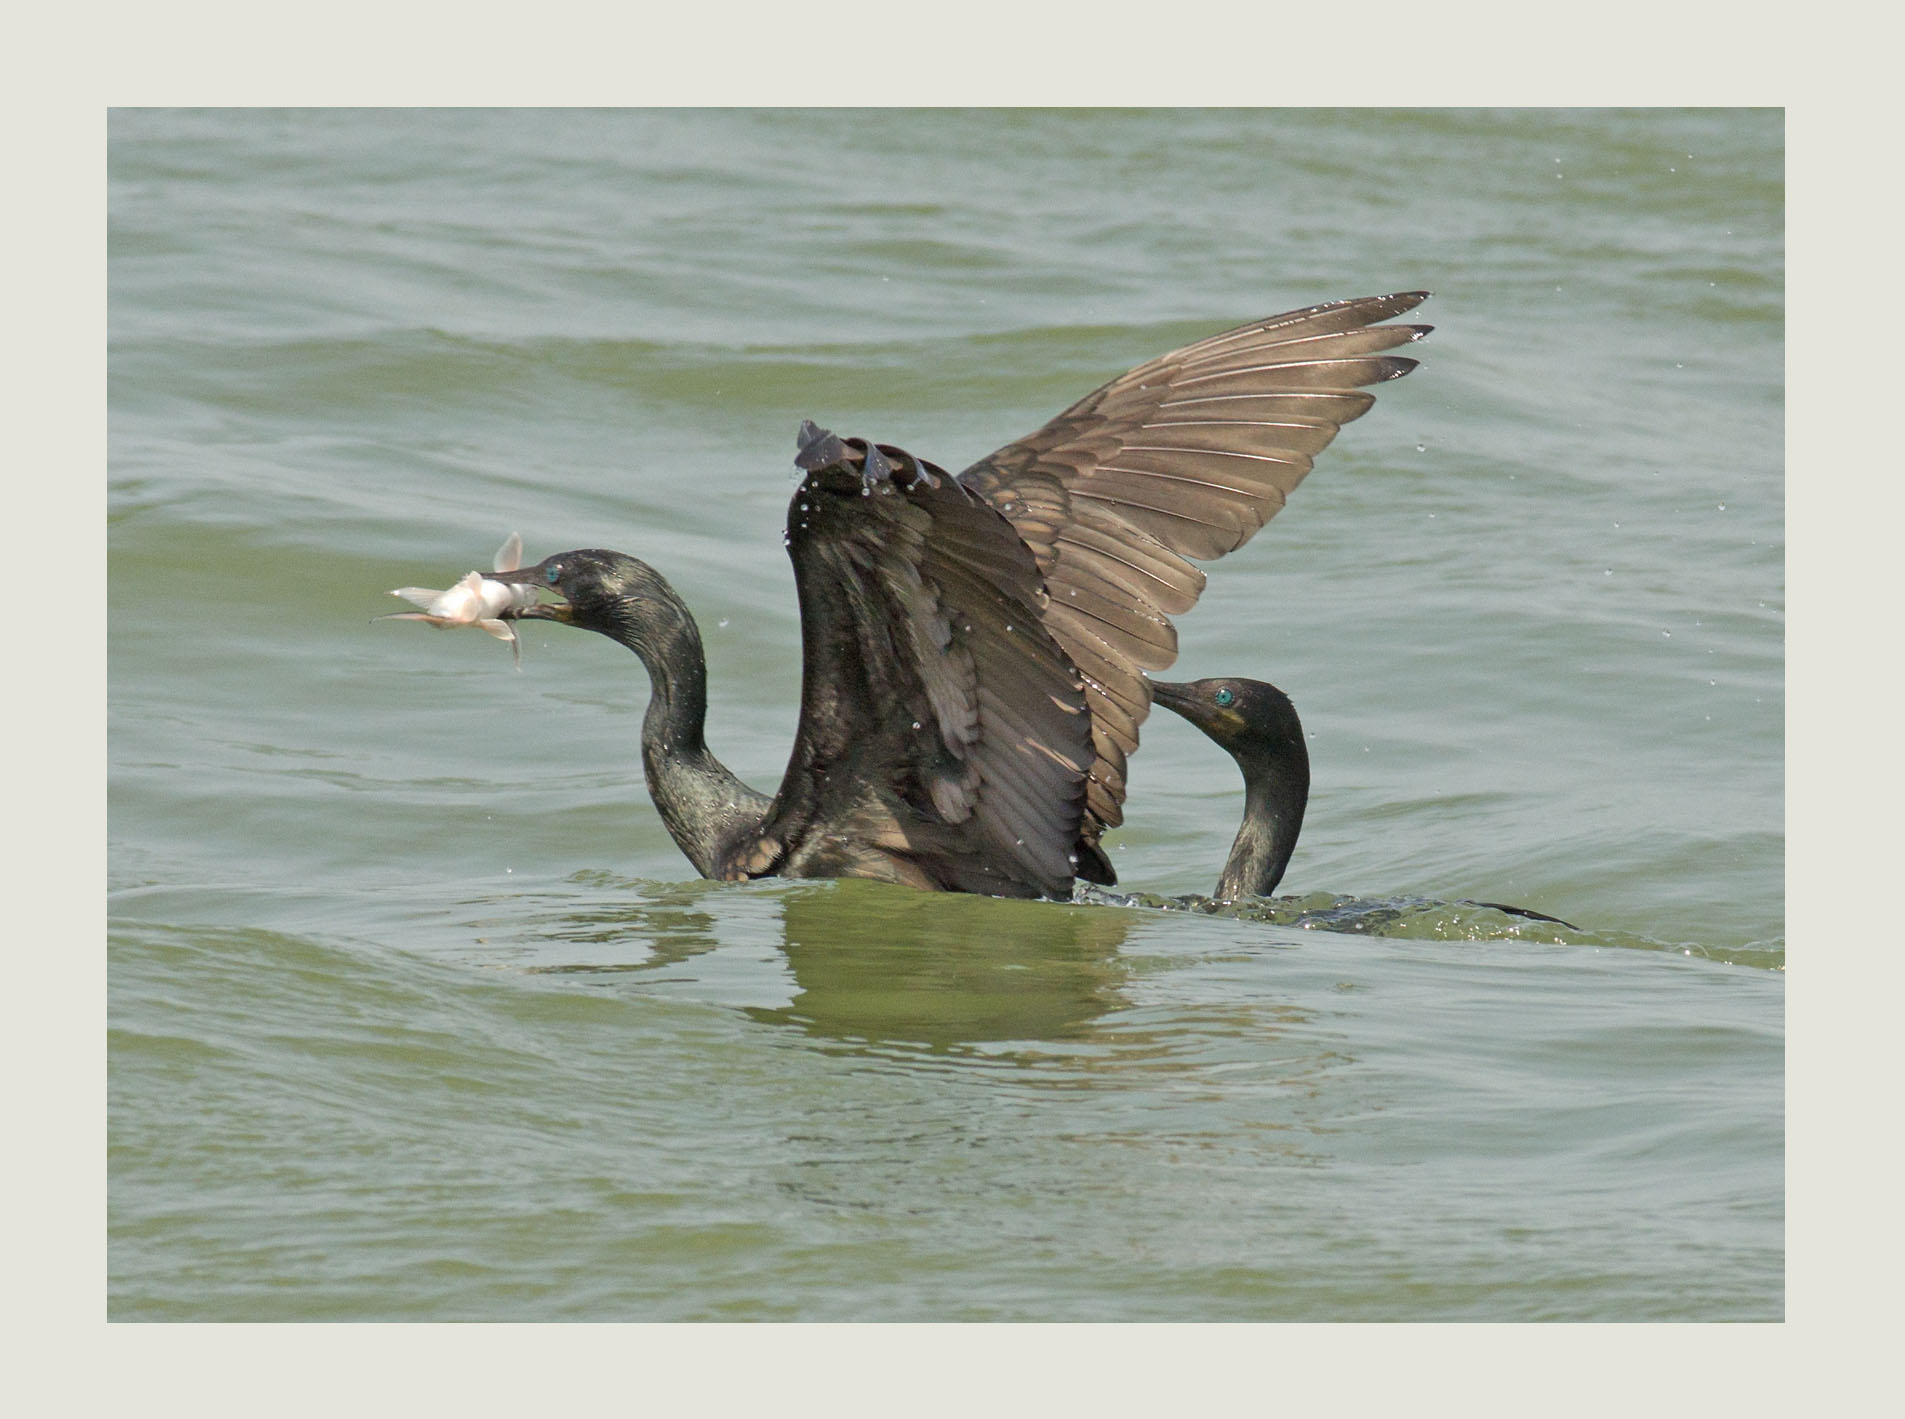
[974,647]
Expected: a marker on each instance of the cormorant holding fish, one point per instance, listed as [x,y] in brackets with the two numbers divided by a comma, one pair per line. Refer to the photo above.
[974,647]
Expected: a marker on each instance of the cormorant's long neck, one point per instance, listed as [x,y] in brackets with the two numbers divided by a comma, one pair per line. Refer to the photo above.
[1276,791]
[703,805]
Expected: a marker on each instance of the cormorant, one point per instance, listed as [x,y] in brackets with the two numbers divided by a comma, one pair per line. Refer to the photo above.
[973,647]
[1256,723]
[1259,727]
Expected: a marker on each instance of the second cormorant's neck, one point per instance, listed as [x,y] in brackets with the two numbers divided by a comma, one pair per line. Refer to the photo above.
[1276,791]
[703,805]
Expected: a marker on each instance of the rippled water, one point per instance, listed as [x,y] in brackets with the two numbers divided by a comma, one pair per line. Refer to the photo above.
[415,1010]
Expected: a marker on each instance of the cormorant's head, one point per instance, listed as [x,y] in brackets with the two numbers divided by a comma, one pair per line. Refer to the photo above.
[1245,716]
[596,587]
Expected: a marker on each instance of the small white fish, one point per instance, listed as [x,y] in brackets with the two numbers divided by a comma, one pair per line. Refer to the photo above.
[474,601]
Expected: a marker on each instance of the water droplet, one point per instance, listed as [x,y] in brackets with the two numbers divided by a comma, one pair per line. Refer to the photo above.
[1667,634]
[1722,507]
[724,623]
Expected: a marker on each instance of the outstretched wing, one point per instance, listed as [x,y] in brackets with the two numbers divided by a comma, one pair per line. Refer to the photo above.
[1186,456]
[943,734]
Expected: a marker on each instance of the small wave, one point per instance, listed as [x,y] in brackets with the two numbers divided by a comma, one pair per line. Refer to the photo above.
[1429,919]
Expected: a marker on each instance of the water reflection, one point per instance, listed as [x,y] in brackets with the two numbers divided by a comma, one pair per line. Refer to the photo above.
[871,966]
[876,964]
[859,962]
[635,926]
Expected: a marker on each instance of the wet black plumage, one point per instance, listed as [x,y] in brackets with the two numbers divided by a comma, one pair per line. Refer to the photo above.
[974,648]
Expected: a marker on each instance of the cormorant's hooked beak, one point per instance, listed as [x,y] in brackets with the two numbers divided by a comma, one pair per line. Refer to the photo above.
[1173,695]
[1221,724]
[1179,697]
[538,611]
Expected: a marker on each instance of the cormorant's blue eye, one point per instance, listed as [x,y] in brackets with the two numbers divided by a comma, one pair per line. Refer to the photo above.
[552,574]
[1224,697]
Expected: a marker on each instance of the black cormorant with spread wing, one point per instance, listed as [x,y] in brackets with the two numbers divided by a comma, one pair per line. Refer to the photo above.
[974,647]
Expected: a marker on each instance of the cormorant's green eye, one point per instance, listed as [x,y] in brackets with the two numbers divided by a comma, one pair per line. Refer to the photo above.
[1224,698]
[552,574]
